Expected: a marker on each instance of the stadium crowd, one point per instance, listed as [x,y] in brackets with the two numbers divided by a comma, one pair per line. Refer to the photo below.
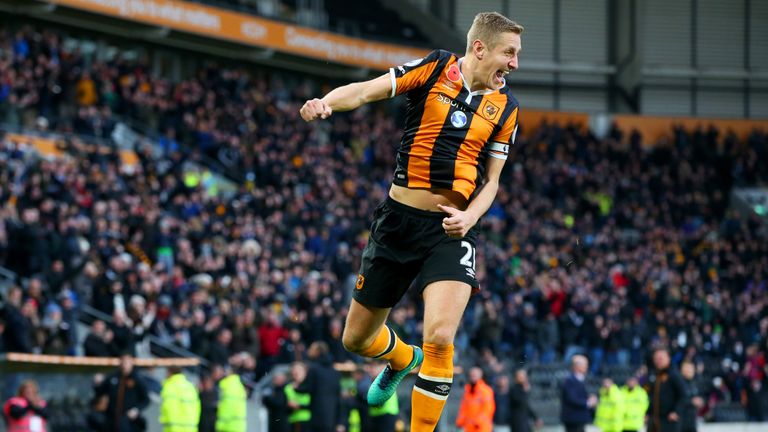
[602,246]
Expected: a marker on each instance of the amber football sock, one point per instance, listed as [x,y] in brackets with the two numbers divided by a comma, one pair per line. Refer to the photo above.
[432,387]
[387,346]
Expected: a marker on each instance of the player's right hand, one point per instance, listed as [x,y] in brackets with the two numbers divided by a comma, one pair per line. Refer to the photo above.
[314,109]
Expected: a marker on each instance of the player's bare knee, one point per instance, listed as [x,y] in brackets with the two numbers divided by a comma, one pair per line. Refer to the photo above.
[439,335]
[354,343]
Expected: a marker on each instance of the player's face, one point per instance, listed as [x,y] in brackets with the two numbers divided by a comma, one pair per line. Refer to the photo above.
[501,59]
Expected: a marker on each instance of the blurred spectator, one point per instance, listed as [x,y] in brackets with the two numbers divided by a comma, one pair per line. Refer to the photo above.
[575,403]
[667,395]
[693,398]
[18,328]
[231,412]
[99,342]
[755,400]
[219,352]
[323,386]
[548,338]
[26,411]
[635,405]
[298,399]
[180,403]
[271,336]
[521,412]
[501,398]
[477,404]
[609,415]
[275,400]
[127,395]
[96,419]
[209,400]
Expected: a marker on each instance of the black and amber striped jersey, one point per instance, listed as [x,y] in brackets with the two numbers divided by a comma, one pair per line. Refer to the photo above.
[449,130]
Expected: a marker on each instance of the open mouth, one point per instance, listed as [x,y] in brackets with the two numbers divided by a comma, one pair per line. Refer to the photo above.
[500,74]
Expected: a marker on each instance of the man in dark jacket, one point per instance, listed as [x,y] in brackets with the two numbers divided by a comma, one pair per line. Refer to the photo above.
[277,404]
[667,394]
[576,403]
[501,398]
[323,384]
[693,400]
[18,329]
[128,396]
[521,413]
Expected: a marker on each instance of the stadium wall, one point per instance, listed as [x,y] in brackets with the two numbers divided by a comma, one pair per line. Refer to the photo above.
[682,58]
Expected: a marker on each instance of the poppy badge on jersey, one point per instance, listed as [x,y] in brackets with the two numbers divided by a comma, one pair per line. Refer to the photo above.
[453,73]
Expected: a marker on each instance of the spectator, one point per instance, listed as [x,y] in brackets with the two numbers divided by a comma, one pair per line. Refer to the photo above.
[180,403]
[323,386]
[693,400]
[231,412]
[271,335]
[667,394]
[501,398]
[609,416]
[18,328]
[477,404]
[209,400]
[219,352]
[521,412]
[549,339]
[635,406]
[96,419]
[299,399]
[127,395]
[26,410]
[755,401]
[98,342]
[276,401]
[576,404]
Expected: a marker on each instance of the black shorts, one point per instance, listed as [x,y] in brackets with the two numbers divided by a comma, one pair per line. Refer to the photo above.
[409,246]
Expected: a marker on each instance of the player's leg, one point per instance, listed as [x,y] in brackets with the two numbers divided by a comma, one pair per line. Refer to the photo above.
[444,304]
[387,268]
[366,334]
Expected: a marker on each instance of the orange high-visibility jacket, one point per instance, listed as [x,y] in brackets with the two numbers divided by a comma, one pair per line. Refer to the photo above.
[477,408]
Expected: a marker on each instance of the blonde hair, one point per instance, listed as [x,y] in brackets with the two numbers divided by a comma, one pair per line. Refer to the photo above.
[487,26]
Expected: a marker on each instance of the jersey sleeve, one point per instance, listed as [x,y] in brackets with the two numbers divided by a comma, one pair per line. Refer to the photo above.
[415,73]
[498,146]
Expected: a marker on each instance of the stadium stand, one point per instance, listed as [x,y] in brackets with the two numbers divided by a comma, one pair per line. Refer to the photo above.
[369,20]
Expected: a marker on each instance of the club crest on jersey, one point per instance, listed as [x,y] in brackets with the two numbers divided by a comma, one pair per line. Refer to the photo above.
[490,110]
[359,282]
[458,119]
[453,73]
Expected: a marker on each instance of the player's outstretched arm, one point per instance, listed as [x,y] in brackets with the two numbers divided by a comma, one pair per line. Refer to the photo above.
[348,97]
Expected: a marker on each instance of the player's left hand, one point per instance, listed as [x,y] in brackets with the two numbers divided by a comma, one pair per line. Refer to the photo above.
[458,223]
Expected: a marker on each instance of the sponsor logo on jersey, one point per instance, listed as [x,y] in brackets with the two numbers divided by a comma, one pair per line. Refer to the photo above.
[458,119]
